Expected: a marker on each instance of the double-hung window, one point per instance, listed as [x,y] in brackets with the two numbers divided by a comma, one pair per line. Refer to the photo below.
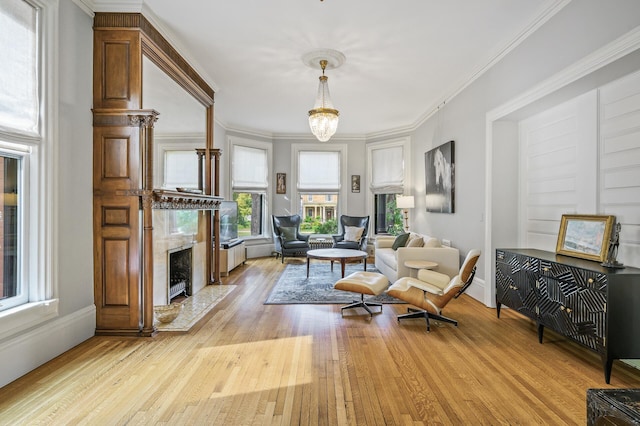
[387,171]
[26,140]
[249,184]
[319,178]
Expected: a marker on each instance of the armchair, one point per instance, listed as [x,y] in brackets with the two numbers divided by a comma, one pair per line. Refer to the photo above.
[349,240]
[286,236]
[431,291]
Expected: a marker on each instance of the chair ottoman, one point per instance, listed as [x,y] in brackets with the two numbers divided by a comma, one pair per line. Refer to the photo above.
[371,283]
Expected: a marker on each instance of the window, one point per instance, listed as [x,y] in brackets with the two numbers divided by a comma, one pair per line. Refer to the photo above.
[387,218]
[10,233]
[249,185]
[319,175]
[180,170]
[249,213]
[388,169]
[26,134]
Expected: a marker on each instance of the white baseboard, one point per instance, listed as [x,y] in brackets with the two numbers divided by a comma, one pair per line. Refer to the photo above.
[476,290]
[31,349]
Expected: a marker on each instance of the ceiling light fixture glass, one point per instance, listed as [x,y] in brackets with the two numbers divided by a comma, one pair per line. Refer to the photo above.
[323,118]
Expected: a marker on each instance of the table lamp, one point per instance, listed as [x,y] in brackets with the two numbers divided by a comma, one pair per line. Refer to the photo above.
[405,202]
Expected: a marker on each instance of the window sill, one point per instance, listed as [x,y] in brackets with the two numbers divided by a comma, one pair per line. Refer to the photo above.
[25,316]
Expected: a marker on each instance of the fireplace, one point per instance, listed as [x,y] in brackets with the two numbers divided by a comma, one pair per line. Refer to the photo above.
[180,274]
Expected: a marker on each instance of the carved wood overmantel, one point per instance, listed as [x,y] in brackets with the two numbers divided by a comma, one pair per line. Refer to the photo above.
[124,193]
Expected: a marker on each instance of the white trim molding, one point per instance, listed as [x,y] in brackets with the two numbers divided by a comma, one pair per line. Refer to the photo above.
[622,46]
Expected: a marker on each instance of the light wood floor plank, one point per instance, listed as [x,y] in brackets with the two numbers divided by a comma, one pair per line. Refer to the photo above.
[247,363]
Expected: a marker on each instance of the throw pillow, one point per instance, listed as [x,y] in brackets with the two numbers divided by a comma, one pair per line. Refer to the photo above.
[432,242]
[400,241]
[415,242]
[289,233]
[353,233]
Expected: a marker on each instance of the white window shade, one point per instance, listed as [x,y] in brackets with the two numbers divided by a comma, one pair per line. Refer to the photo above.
[319,171]
[18,68]
[180,169]
[250,169]
[387,170]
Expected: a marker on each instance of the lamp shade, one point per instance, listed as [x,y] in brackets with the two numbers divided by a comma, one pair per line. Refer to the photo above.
[405,202]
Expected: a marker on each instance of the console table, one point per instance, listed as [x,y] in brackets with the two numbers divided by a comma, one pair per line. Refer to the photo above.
[588,303]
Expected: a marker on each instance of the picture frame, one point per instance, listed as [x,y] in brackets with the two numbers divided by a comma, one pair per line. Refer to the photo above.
[585,236]
[281,183]
[439,174]
[355,183]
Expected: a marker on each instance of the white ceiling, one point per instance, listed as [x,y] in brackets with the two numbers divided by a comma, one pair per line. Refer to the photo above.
[403,57]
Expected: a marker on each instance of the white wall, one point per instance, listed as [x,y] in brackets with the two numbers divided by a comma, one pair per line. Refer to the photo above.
[74,249]
[577,30]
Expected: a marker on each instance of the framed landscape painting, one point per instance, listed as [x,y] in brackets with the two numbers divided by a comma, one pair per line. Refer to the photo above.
[585,236]
[439,176]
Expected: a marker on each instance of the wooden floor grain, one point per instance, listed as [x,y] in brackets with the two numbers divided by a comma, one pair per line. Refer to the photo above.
[247,363]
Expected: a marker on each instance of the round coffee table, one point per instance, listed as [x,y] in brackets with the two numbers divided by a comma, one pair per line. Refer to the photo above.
[337,255]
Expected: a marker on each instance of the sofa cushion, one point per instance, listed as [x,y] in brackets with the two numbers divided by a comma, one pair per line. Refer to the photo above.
[432,242]
[416,241]
[400,241]
[353,233]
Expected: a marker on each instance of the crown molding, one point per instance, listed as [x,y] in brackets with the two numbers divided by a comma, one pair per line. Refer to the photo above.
[127,6]
[613,51]
[547,11]
[139,6]
[87,6]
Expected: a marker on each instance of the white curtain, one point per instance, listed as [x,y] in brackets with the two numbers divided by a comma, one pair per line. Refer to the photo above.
[319,171]
[250,169]
[387,170]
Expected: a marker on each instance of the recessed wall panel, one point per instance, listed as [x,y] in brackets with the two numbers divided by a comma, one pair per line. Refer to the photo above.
[116,70]
[115,268]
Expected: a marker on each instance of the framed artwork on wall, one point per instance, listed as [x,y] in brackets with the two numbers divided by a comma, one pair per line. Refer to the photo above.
[585,236]
[439,176]
[281,183]
[355,183]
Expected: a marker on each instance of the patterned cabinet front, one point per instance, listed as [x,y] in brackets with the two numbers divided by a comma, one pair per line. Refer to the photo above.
[516,282]
[573,302]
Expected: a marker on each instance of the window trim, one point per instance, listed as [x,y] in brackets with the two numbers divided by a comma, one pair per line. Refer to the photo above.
[41,183]
[267,197]
[405,143]
[342,149]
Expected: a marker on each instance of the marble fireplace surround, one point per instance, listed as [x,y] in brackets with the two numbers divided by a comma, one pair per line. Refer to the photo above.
[163,242]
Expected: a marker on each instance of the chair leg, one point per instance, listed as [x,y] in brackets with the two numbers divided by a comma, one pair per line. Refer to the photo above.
[419,313]
[362,304]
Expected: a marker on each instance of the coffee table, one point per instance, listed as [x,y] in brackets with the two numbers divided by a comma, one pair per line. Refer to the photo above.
[337,255]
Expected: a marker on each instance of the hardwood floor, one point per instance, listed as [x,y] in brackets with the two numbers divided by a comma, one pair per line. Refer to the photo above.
[249,363]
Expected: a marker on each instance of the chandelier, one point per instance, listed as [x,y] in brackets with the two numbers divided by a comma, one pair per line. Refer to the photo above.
[323,118]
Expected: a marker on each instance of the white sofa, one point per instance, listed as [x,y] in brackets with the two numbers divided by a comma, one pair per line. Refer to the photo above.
[391,262]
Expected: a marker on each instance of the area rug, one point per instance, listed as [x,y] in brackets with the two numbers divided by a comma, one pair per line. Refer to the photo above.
[293,286]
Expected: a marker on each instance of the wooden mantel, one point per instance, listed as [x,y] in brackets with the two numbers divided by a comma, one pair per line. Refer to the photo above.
[124,194]
[176,200]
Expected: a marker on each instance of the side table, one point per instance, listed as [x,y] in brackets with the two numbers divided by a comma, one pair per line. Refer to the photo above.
[415,265]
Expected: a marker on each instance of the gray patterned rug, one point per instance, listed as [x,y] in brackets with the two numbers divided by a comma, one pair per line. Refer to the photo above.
[294,287]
